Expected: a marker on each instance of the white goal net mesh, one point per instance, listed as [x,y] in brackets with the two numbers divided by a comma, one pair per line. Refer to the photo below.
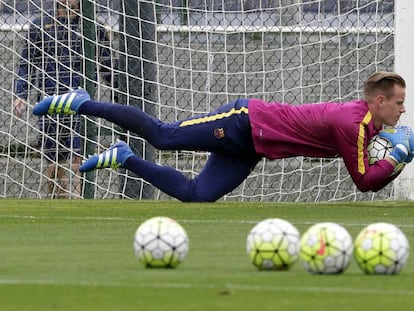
[175,59]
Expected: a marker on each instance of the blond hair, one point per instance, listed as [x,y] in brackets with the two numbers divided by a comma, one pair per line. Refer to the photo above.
[382,82]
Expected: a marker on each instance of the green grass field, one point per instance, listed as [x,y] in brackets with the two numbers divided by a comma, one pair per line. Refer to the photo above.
[78,255]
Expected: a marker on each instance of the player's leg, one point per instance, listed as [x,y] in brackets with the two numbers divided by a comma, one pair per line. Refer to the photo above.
[76,184]
[60,156]
[66,142]
[78,102]
[62,181]
[225,130]
[50,173]
[220,175]
[47,145]
[70,139]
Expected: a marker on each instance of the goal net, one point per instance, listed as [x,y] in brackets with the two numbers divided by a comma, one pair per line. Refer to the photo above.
[176,59]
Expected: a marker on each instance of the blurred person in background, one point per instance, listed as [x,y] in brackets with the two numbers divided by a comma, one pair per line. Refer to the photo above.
[51,62]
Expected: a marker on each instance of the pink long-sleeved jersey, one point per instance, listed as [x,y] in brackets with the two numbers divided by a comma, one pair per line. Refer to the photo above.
[321,130]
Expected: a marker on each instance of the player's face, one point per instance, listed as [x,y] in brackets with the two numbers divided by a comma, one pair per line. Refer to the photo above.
[68,8]
[391,109]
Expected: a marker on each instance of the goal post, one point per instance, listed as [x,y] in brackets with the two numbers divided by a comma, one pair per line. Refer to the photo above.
[89,68]
[202,54]
[404,47]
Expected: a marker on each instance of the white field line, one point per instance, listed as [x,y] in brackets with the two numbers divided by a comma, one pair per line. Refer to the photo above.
[315,289]
[102,284]
[228,286]
[190,221]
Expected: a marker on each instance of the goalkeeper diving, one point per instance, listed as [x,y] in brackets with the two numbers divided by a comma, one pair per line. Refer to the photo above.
[240,133]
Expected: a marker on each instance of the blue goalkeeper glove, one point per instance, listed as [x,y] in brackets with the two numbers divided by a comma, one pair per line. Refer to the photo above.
[410,157]
[399,153]
[399,137]
[410,135]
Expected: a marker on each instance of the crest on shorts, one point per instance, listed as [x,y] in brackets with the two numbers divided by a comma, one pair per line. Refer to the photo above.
[219,133]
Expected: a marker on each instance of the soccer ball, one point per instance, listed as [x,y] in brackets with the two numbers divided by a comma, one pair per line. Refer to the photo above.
[161,242]
[326,248]
[381,248]
[378,148]
[273,244]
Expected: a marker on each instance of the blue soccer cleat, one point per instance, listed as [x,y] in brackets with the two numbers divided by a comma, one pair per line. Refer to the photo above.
[114,157]
[66,104]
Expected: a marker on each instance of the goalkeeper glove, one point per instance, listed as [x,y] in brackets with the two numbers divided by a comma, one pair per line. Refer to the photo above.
[399,137]
[409,132]
[399,153]
[409,157]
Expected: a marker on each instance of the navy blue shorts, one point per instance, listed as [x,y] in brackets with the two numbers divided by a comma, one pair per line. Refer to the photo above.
[60,137]
[224,131]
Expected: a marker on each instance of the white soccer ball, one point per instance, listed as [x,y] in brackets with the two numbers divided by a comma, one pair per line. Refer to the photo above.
[326,248]
[381,248]
[378,148]
[273,244]
[161,242]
